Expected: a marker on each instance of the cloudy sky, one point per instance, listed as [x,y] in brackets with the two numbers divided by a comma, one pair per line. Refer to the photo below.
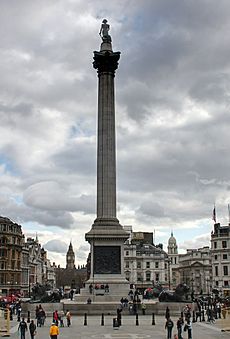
[172,117]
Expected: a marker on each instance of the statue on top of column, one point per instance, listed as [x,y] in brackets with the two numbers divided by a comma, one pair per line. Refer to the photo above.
[104,31]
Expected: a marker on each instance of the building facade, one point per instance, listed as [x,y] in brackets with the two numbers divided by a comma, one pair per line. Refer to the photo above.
[220,256]
[144,263]
[195,270]
[11,245]
[22,263]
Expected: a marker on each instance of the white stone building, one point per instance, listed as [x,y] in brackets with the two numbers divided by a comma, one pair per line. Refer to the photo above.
[145,263]
[220,255]
[195,270]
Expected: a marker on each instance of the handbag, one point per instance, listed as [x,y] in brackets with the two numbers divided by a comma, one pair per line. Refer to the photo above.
[185,327]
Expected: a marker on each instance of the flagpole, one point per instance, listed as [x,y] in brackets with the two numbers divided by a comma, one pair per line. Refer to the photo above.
[228,214]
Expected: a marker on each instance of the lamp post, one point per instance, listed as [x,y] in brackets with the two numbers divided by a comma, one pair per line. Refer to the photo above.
[192,294]
[169,273]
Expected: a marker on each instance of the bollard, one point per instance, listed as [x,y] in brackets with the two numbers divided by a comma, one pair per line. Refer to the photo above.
[137,321]
[193,317]
[85,319]
[153,319]
[28,317]
[102,320]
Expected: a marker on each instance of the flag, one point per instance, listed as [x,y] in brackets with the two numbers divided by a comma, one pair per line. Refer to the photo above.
[214,214]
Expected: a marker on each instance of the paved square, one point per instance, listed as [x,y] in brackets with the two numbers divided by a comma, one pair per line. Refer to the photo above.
[128,330]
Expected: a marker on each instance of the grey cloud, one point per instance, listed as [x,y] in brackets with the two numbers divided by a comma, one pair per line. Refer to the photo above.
[172,106]
[56,245]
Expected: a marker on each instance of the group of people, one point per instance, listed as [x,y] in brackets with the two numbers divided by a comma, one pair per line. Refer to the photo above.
[104,287]
[181,326]
[40,315]
[23,328]
[54,329]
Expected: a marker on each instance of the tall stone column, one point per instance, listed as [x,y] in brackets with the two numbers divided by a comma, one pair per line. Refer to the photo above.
[107,236]
[106,62]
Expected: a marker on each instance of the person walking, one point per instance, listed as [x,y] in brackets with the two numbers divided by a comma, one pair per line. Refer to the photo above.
[169,326]
[167,313]
[68,318]
[189,327]
[54,331]
[55,317]
[179,328]
[22,327]
[32,329]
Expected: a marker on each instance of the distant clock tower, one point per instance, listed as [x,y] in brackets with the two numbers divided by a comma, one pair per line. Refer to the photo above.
[70,257]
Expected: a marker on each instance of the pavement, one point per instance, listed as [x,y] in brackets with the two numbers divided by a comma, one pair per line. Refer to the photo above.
[128,330]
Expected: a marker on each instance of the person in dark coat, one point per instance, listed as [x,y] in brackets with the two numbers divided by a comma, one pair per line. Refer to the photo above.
[167,313]
[179,327]
[22,327]
[32,329]
[169,326]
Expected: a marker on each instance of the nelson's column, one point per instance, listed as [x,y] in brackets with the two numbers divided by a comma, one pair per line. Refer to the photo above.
[106,236]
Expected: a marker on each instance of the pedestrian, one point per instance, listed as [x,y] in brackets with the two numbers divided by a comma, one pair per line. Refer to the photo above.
[32,329]
[22,327]
[55,317]
[119,310]
[54,331]
[189,327]
[179,327]
[167,313]
[169,326]
[68,318]
[224,311]
[71,294]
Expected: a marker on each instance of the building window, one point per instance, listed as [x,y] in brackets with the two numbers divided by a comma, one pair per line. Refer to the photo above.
[224,244]
[216,271]
[215,257]
[157,264]
[215,244]
[127,264]
[147,264]
[217,283]
[148,276]
[139,277]
[157,277]
[225,268]
[225,256]
[138,264]
[225,283]
[127,253]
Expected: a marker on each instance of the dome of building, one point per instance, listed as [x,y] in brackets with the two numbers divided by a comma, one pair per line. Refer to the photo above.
[172,240]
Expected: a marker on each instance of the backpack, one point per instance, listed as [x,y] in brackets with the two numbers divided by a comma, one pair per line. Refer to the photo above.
[170,323]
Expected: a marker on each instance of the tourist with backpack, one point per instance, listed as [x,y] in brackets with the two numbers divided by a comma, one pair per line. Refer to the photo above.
[169,326]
